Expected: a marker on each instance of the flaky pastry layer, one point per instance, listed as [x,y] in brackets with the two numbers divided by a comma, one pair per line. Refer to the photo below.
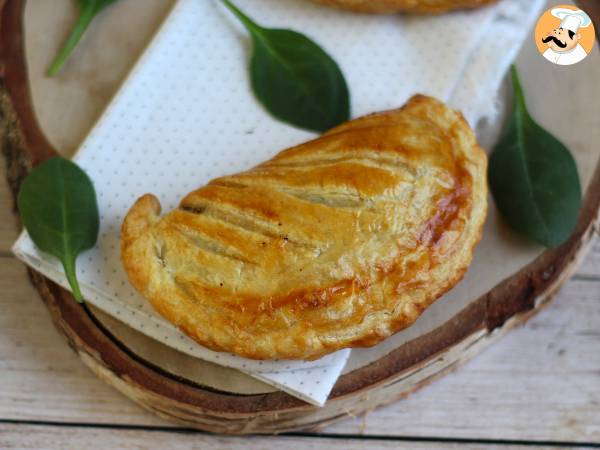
[339,242]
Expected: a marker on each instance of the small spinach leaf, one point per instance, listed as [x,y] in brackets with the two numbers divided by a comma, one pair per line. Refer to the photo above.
[294,78]
[88,9]
[57,203]
[534,179]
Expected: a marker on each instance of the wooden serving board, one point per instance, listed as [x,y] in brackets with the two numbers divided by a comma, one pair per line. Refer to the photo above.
[39,115]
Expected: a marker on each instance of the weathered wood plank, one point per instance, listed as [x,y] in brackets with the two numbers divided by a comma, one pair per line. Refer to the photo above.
[14,436]
[590,268]
[538,383]
[8,224]
[542,381]
[40,377]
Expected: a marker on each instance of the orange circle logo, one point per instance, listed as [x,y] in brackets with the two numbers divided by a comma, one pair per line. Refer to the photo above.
[565,35]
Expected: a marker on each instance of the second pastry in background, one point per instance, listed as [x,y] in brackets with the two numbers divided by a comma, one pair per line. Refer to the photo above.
[413,6]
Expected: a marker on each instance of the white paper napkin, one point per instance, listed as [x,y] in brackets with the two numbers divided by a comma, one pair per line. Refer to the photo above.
[186,114]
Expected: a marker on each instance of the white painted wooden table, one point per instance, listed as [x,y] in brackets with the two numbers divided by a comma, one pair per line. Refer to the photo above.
[540,385]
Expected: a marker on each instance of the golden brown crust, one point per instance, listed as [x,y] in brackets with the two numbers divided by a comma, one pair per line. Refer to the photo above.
[412,6]
[339,242]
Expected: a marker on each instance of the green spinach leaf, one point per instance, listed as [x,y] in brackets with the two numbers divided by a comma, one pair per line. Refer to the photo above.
[294,78]
[88,9]
[57,203]
[534,179]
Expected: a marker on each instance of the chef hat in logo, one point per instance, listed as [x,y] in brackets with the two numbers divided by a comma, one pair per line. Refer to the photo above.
[572,19]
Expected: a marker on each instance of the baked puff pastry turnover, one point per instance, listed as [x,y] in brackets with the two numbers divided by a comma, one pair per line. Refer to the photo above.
[395,6]
[339,242]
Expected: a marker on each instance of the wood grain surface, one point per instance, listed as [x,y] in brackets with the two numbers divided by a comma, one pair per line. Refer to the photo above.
[539,384]
[43,437]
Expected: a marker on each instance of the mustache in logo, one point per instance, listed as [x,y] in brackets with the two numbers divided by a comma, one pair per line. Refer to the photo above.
[556,41]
